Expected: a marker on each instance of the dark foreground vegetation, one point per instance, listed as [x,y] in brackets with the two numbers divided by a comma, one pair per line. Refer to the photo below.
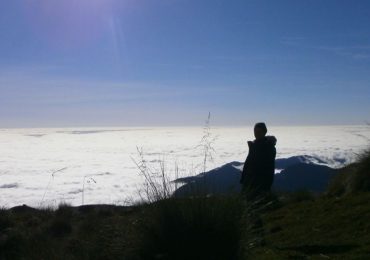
[297,225]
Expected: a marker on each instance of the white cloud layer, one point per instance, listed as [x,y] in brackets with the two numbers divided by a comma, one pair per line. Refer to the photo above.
[48,166]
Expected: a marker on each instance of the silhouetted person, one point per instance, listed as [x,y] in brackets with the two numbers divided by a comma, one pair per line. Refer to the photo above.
[259,167]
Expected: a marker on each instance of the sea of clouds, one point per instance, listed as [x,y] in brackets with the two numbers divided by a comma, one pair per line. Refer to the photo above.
[44,167]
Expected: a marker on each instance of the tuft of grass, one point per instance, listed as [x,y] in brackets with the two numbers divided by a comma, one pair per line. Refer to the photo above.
[65,211]
[197,227]
[206,143]
[192,228]
[352,178]
[361,181]
[157,184]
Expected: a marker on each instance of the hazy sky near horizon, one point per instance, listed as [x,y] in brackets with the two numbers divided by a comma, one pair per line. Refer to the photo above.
[170,62]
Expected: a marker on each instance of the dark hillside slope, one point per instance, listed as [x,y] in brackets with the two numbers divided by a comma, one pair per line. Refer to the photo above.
[326,228]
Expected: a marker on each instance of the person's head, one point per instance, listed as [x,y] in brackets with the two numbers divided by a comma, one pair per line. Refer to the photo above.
[260,130]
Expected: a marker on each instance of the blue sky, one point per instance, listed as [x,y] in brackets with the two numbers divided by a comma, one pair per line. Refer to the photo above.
[169,62]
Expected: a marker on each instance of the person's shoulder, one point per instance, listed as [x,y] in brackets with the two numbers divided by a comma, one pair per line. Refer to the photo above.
[271,140]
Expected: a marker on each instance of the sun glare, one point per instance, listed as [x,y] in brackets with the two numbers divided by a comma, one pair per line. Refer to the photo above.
[69,23]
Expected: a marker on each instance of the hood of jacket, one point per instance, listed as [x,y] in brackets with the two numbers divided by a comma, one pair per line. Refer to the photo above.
[269,139]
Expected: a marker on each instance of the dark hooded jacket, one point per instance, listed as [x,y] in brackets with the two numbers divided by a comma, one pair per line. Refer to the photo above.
[259,167]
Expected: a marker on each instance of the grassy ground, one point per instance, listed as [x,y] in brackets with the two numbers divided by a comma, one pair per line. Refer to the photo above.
[325,228]
[205,228]
[90,232]
[195,228]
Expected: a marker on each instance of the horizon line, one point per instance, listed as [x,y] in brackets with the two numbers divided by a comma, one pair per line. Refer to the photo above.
[184,126]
